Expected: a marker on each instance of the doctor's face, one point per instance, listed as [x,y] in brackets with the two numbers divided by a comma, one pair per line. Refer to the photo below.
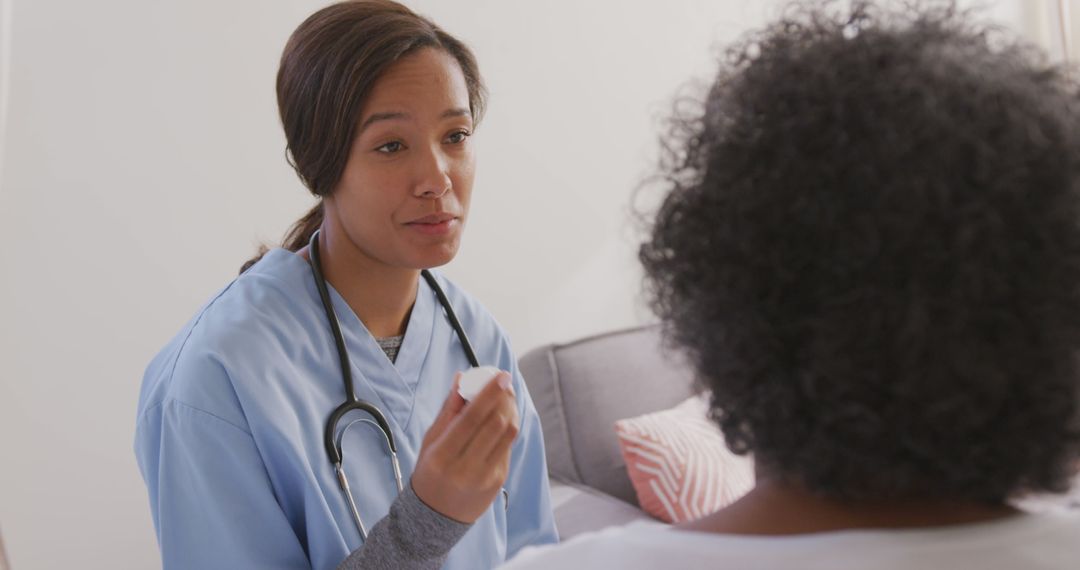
[404,195]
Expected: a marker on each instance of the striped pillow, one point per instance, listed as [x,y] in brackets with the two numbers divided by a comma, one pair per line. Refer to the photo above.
[678,463]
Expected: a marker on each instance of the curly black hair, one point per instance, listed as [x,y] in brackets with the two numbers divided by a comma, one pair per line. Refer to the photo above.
[870,251]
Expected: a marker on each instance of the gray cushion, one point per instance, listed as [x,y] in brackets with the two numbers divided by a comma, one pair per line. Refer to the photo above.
[581,388]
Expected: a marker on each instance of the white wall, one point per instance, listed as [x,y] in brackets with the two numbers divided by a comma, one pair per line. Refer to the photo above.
[141,161]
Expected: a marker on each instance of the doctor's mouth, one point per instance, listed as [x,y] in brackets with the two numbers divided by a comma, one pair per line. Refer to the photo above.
[439,224]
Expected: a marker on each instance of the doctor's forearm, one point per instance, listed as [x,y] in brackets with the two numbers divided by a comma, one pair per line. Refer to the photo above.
[411,537]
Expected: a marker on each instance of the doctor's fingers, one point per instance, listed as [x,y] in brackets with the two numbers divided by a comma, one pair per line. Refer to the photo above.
[500,453]
[467,423]
[492,468]
[477,467]
[498,430]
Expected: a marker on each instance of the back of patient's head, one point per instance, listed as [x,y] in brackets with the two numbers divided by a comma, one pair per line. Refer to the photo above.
[871,253]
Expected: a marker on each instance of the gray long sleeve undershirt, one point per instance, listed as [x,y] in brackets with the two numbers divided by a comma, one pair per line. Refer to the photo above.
[411,537]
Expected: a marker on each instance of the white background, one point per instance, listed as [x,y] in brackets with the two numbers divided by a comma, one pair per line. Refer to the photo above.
[141,161]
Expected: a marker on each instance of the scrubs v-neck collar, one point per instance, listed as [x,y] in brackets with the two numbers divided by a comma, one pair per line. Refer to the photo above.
[393,384]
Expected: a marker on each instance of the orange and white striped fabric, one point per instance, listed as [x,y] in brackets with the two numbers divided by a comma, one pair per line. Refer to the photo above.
[679,464]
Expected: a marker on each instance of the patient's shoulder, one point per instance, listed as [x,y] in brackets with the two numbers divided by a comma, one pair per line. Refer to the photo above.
[1046,542]
[641,544]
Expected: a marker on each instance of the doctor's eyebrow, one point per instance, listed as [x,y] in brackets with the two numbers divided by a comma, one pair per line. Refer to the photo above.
[397,116]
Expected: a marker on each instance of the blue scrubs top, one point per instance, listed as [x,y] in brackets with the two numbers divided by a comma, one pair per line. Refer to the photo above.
[229,435]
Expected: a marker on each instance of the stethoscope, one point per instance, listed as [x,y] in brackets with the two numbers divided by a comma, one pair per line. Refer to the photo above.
[333,444]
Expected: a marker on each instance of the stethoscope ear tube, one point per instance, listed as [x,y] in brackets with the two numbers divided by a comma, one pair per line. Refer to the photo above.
[343,481]
[465,344]
[335,328]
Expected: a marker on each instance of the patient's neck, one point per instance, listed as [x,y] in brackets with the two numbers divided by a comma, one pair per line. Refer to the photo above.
[774,508]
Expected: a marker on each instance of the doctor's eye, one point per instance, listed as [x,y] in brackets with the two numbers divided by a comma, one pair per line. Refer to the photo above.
[458,137]
[390,147]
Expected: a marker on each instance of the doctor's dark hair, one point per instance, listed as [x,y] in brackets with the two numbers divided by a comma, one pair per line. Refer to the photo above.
[870,251]
[328,68]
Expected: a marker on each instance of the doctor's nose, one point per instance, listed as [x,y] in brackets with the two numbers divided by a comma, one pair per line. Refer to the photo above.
[434,180]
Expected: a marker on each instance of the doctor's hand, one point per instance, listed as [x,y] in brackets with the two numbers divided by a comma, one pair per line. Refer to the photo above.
[465,455]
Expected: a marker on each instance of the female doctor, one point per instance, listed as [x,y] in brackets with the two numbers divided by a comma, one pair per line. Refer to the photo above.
[308,416]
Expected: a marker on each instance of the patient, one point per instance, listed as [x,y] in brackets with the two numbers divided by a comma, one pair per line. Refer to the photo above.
[870,251]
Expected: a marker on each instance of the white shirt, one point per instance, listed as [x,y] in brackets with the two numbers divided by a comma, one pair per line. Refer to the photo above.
[1028,541]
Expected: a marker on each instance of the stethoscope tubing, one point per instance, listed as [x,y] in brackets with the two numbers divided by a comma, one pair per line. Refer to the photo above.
[333,443]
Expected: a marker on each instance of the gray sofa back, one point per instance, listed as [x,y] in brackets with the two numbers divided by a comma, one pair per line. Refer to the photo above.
[582,387]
